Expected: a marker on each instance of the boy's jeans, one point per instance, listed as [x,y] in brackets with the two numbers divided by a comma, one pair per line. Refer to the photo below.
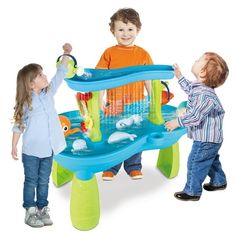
[203,160]
[133,163]
[37,172]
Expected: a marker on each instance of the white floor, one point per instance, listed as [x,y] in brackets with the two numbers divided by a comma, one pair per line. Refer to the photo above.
[134,207]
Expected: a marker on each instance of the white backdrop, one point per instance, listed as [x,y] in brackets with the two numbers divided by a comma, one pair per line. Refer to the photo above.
[173,31]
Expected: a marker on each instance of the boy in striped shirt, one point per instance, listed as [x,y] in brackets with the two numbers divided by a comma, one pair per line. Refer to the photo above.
[203,120]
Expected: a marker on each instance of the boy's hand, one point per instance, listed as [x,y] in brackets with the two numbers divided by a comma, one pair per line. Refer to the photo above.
[67,48]
[171,125]
[177,71]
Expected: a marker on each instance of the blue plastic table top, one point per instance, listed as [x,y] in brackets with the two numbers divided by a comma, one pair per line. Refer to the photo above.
[100,79]
[104,156]
[151,137]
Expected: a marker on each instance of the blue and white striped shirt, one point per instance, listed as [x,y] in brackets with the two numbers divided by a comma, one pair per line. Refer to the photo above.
[204,114]
[43,134]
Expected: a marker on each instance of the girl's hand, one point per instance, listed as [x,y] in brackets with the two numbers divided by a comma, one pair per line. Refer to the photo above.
[177,71]
[171,125]
[14,153]
[67,48]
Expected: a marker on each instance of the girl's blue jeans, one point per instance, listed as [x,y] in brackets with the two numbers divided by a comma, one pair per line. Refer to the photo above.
[203,160]
[132,163]
[37,172]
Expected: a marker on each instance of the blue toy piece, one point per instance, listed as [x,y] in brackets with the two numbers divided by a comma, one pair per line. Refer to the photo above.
[181,109]
[182,105]
[94,79]
[112,139]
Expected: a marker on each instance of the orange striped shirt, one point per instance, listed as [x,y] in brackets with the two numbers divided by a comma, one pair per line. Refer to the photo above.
[120,56]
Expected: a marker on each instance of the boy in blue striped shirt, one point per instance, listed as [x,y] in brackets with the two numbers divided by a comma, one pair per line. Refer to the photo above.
[203,120]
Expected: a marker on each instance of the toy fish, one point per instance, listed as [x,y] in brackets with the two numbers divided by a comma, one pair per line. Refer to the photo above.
[118,136]
[66,126]
[79,144]
[125,123]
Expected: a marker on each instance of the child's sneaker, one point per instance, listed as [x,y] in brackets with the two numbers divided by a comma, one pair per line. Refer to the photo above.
[44,216]
[136,174]
[32,219]
[107,175]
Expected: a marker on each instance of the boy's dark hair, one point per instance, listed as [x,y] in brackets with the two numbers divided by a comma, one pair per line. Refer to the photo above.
[125,15]
[216,70]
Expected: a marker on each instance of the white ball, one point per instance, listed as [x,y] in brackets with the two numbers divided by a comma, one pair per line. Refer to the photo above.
[80,70]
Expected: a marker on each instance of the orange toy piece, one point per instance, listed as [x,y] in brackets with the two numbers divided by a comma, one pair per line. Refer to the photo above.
[66,126]
[166,97]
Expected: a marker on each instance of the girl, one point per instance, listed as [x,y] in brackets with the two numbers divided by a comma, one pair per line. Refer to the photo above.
[36,117]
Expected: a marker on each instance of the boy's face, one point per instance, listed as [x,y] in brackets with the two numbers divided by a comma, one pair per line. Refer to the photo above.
[125,34]
[198,66]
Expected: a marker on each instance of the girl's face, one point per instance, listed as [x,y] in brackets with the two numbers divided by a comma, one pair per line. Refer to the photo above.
[125,34]
[39,83]
[198,66]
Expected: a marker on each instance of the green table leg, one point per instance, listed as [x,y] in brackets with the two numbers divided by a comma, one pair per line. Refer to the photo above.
[60,175]
[168,161]
[84,203]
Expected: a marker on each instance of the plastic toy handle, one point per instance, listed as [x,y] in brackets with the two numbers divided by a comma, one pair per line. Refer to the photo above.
[72,57]
[168,90]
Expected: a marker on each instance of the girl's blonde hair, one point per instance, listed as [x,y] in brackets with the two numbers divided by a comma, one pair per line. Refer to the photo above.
[216,70]
[25,77]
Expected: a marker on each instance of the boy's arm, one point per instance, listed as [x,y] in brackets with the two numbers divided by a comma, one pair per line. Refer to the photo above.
[103,64]
[193,117]
[147,84]
[101,95]
[184,83]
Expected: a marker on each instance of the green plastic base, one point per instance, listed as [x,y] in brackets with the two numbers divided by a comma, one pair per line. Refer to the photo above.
[60,175]
[168,161]
[155,115]
[94,112]
[84,203]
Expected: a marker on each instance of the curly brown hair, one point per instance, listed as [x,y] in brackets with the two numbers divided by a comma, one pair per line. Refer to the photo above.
[215,70]
[125,15]
[25,77]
